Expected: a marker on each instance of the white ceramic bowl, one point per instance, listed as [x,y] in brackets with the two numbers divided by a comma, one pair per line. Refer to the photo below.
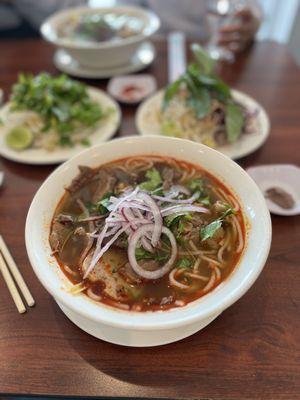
[160,327]
[103,54]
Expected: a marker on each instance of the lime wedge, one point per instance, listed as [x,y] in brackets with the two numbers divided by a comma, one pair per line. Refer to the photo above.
[19,138]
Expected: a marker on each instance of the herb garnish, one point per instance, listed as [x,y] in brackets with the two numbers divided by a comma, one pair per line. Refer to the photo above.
[203,85]
[63,103]
[209,230]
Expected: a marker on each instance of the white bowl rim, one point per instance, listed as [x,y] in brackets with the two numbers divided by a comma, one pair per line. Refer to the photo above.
[60,42]
[175,317]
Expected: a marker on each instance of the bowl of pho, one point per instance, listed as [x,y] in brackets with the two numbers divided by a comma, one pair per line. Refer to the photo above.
[100,37]
[143,241]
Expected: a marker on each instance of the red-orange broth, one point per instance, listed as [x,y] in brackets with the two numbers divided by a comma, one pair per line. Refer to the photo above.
[200,264]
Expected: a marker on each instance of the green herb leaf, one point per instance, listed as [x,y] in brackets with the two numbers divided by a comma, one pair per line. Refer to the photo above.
[205,201]
[205,62]
[196,185]
[171,220]
[211,82]
[199,99]
[86,142]
[103,206]
[200,103]
[154,180]
[209,230]
[226,213]
[234,121]
[170,92]
[183,263]
[142,254]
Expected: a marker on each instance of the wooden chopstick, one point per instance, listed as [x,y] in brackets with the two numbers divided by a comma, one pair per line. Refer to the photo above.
[16,273]
[11,286]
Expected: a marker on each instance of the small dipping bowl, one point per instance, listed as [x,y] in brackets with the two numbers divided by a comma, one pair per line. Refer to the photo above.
[283,176]
[132,89]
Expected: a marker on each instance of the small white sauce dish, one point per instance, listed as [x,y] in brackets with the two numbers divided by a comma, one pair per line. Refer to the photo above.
[140,329]
[132,89]
[102,54]
[283,176]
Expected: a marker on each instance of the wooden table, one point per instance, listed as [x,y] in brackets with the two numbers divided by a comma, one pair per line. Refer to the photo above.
[250,352]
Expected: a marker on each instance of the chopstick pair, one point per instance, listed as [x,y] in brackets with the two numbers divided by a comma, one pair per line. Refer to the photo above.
[9,271]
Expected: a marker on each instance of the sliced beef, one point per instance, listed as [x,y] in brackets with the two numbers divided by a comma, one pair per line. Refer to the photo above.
[103,183]
[168,177]
[85,175]
[58,235]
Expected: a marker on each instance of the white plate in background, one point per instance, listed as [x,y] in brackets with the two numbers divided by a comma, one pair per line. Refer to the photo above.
[142,59]
[147,124]
[101,133]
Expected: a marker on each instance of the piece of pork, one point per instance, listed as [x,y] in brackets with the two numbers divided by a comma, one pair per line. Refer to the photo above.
[106,272]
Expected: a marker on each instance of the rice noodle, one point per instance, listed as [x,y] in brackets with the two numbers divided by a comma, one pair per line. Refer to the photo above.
[77,288]
[119,305]
[197,276]
[239,233]
[235,203]
[69,270]
[217,271]
[222,194]
[174,282]
[223,248]
[179,303]
[211,260]
[196,264]
[136,307]
[210,283]
[92,295]
[193,246]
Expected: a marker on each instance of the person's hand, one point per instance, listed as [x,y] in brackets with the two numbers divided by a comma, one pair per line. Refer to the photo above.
[237,36]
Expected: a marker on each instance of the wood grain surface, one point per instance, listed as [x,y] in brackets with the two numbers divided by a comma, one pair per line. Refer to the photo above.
[250,352]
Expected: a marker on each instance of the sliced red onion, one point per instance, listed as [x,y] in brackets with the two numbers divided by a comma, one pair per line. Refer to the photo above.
[158,221]
[94,218]
[98,247]
[133,242]
[181,189]
[125,198]
[186,201]
[113,230]
[104,249]
[180,209]
[131,204]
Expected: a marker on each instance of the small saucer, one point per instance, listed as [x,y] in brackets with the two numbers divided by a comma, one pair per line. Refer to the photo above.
[132,89]
[284,176]
[65,63]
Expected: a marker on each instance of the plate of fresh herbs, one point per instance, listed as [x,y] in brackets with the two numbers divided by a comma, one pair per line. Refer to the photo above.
[200,106]
[48,119]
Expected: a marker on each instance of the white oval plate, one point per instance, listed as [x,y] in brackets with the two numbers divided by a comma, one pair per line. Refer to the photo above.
[142,59]
[104,131]
[147,124]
